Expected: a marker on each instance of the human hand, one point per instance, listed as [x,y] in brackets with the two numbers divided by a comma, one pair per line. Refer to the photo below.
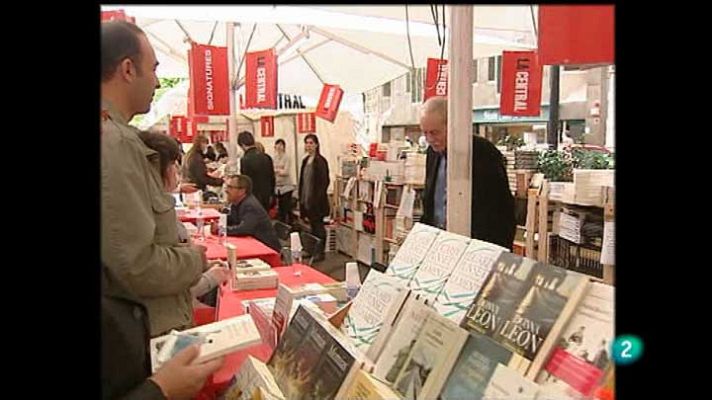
[179,378]
[219,273]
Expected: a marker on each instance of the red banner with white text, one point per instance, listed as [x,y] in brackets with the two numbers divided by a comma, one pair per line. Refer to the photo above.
[521,84]
[209,80]
[329,102]
[261,79]
[435,78]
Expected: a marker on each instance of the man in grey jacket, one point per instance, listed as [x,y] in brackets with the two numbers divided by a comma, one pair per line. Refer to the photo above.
[139,238]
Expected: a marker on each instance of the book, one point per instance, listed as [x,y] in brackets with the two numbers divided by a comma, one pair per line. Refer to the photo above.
[431,359]
[313,359]
[438,264]
[524,305]
[582,355]
[373,311]
[261,312]
[474,368]
[255,279]
[466,279]
[367,387]
[251,264]
[412,252]
[216,339]
[253,374]
[507,383]
[282,308]
[401,339]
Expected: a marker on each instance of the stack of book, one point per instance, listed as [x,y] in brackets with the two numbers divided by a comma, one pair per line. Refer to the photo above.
[255,279]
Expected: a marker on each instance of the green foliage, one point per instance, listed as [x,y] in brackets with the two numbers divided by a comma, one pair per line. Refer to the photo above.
[556,166]
[587,159]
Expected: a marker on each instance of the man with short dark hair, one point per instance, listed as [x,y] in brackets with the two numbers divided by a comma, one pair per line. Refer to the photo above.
[247,216]
[259,167]
[139,239]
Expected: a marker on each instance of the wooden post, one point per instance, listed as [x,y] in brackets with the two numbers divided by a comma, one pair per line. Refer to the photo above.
[459,124]
[543,253]
[609,216]
[531,221]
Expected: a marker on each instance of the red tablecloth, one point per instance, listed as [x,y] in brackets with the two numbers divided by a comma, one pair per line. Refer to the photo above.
[191,215]
[230,305]
[247,247]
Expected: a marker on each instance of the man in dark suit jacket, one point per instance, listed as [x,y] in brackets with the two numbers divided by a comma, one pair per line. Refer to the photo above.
[492,214]
[259,167]
[247,216]
[125,359]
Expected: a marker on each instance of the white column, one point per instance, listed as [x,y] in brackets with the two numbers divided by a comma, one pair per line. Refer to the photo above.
[232,119]
[459,129]
[610,112]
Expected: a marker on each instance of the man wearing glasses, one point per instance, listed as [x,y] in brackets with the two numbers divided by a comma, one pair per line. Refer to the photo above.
[246,215]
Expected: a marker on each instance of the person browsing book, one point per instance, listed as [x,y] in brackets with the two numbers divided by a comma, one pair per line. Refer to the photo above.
[492,213]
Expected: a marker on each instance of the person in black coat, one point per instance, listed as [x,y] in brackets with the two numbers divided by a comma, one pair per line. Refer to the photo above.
[492,214]
[125,358]
[313,183]
[259,167]
[246,215]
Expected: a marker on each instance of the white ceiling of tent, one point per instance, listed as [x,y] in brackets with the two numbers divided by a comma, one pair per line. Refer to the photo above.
[375,28]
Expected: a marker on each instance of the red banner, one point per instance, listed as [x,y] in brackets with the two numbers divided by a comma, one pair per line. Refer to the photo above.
[178,128]
[209,80]
[306,123]
[436,78]
[576,34]
[267,126]
[116,15]
[261,79]
[329,102]
[521,84]
[193,126]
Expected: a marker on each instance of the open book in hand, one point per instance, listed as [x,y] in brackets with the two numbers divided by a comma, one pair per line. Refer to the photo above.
[216,339]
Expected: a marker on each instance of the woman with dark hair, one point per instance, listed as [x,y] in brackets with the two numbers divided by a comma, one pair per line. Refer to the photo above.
[194,168]
[313,183]
[284,186]
[169,159]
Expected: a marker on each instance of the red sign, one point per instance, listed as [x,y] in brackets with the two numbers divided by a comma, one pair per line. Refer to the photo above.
[209,80]
[116,15]
[521,84]
[193,126]
[576,34]
[267,126]
[578,373]
[436,78]
[261,79]
[306,123]
[178,128]
[329,102]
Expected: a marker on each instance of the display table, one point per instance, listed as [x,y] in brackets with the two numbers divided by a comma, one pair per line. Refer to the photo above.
[230,305]
[247,247]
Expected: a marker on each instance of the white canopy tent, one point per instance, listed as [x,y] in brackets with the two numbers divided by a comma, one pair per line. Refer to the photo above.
[358,48]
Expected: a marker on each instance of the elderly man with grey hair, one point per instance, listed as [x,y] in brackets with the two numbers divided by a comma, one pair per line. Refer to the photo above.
[492,215]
